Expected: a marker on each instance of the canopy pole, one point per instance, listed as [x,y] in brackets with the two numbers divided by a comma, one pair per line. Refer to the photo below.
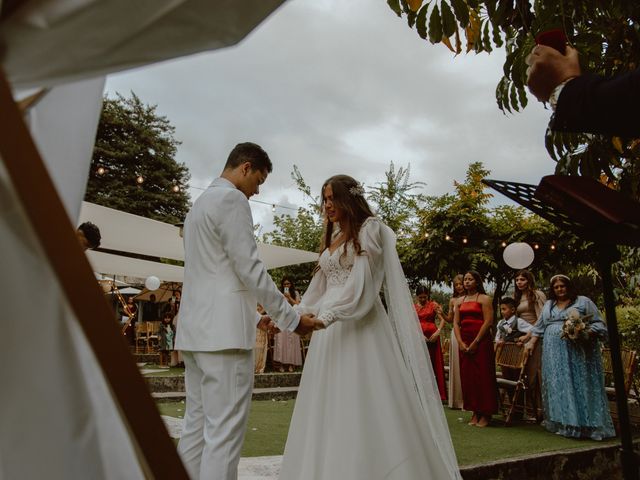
[55,233]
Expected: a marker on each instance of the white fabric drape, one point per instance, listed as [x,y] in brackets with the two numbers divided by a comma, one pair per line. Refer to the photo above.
[58,418]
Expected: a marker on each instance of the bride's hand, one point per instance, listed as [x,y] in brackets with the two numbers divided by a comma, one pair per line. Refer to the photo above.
[319,325]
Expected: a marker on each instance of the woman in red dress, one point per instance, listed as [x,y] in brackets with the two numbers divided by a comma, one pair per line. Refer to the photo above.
[473,317]
[427,311]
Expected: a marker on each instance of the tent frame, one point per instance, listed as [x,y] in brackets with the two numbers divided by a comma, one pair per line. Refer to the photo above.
[56,235]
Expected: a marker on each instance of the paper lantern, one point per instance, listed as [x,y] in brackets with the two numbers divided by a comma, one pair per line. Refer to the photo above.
[152,283]
[518,255]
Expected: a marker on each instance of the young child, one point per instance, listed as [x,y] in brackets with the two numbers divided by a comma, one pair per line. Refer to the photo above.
[165,342]
[511,328]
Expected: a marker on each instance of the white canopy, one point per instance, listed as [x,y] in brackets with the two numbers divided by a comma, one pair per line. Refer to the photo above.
[126,232]
[104,424]
[58,41]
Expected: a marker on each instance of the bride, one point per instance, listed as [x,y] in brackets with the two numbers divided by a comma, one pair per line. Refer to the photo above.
[368,405]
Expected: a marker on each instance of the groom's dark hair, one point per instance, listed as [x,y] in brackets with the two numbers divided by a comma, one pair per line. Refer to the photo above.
[249,152]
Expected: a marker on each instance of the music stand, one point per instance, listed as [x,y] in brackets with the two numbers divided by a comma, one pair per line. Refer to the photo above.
[591,211]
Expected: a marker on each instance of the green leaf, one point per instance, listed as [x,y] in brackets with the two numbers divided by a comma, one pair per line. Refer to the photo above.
[421,21]
[435,26]
[395,6]
[411,18]
[513,97]
[486,37]
[462,12]
[448,20]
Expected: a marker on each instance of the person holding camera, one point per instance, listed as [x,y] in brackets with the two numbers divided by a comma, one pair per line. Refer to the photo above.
[287,350]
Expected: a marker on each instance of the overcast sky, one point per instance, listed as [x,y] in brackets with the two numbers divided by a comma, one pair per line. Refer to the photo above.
[342,87]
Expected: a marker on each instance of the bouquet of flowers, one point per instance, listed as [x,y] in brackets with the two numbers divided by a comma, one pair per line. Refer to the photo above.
[576,327]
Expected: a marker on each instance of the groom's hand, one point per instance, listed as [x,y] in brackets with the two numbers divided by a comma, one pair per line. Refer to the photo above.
[266,324]
[307,324]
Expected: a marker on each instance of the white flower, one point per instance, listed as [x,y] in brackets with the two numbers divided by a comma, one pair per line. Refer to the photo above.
[573,314]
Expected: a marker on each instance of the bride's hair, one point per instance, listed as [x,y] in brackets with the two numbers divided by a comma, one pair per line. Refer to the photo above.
[348,196]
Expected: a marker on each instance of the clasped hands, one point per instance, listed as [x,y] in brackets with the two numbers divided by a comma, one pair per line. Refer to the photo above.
[308,323]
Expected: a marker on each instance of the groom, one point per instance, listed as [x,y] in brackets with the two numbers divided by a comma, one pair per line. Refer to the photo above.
[224,280]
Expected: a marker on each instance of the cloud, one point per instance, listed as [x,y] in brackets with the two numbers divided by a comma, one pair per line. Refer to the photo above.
[342,87]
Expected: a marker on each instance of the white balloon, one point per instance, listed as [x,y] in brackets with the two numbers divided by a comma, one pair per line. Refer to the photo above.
[152,283]
[518,255]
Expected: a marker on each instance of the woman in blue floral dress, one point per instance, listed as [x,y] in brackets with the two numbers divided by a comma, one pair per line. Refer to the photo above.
[573,393]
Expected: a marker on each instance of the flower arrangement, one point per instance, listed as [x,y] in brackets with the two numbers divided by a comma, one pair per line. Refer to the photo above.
[576,327]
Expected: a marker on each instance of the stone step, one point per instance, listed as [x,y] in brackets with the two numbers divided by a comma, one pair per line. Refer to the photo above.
[284,393]
[175,383]
[147,357]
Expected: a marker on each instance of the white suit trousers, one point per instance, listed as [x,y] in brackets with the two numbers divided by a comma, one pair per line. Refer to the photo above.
[219,387]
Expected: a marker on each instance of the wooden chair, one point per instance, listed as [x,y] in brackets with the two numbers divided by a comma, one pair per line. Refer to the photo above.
[513,382]
[153,335]
[629,363]
[141,337]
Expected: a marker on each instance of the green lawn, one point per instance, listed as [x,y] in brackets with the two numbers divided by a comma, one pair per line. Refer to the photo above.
[269,422]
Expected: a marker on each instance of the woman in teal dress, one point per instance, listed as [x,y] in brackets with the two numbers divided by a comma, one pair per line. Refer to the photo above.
[573,393]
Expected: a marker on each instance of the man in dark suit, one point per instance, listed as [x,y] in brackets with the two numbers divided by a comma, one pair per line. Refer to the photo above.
[584,102]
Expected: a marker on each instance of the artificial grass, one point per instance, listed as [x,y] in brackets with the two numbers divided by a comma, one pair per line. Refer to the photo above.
[269,423]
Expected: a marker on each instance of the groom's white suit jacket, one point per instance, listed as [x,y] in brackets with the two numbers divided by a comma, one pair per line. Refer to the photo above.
[224,278]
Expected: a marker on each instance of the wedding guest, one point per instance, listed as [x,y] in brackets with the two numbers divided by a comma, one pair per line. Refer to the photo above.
[151,310]
[89,236]
[511,328]
[529,302]
[528,299]
[473,317]
[165,339]
[368,405]
[573,392]
[261,347]
[455,387]
[427,311]
[287,350]
[129,320]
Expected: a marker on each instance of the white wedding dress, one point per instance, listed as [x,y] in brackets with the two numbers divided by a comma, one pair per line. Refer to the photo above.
[368,406]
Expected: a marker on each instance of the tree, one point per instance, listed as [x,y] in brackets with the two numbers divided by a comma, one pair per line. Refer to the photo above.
[303,231]
[605,33]
[459,232]
[133,168]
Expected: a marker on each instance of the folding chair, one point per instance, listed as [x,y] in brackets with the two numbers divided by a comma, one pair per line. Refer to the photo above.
[513,383]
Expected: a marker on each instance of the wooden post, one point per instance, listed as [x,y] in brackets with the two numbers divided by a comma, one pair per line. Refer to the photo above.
[46,213]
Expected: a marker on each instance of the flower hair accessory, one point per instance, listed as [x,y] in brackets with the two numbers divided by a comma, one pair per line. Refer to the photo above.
[357,190]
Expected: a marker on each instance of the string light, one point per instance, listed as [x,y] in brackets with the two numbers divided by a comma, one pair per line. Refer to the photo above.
[536,246]
[504,244]
[447,237]
[426,234]
[140,179]
[101,171]
[553,246]
[175,188]
[464,240]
